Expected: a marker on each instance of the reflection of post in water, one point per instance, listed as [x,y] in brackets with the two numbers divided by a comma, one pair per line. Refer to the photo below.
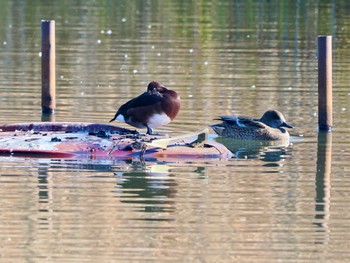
[323,179]
[45,186]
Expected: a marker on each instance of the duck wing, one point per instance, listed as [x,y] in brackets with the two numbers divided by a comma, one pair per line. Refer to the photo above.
[242,122]
[145,99]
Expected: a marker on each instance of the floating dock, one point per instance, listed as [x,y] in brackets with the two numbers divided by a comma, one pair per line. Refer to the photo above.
[89,140]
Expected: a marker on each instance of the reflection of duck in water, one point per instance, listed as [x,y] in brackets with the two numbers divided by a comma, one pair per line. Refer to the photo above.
[153,190]
[268,127]
[255,149]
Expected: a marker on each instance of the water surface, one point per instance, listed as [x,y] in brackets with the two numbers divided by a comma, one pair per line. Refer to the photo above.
[270,203]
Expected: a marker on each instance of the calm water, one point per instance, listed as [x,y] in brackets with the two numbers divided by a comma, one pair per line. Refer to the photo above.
[270,203]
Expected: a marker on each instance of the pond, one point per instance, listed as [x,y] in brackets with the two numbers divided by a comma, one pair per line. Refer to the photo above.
[268,203]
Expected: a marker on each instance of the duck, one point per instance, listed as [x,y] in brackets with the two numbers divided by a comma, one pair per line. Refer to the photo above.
[271,126]
[156,107]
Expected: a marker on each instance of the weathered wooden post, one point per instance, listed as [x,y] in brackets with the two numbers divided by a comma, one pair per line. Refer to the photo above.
[325,107]
[48,67]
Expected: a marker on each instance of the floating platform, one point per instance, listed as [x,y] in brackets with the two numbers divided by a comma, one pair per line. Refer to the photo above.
[82,140]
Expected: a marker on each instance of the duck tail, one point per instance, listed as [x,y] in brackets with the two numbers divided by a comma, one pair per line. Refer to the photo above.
[113,119]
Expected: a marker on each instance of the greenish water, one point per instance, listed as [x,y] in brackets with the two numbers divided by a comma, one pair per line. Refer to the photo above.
[270,203]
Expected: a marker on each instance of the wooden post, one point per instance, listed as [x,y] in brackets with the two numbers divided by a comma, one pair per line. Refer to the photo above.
[325,107]
[48,67]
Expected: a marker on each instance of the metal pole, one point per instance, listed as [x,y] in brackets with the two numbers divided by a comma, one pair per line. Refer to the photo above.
[48,67]
[325,107]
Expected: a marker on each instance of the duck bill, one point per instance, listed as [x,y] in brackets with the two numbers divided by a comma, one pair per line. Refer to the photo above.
[284,124]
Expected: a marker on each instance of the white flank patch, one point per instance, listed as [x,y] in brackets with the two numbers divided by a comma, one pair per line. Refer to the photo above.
[158,120]
[120,118]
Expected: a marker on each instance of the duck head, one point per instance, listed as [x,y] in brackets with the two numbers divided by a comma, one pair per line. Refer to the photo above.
[155,87]
[274,119]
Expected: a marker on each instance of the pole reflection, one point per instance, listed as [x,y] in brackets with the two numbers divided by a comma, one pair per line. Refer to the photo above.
[323,183]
